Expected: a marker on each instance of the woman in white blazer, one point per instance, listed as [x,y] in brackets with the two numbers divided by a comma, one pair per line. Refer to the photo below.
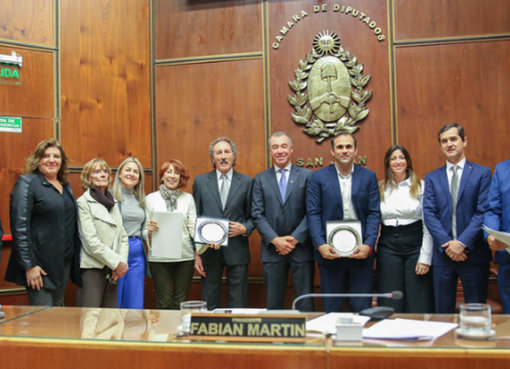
[105,248]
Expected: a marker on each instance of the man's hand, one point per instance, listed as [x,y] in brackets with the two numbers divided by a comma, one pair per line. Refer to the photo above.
[455,250]
[282,245]
[120,271]
[236,229]
[328,252]
[361,252]
[199,267]
[495,244]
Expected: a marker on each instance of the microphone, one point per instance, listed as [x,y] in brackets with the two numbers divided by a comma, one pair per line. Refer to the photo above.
[395,295]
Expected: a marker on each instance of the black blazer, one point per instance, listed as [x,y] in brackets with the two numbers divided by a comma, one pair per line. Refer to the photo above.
[38,232]
[237,209]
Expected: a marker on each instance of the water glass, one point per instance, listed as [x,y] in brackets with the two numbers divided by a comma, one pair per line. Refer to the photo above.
[188,307]
[475,320]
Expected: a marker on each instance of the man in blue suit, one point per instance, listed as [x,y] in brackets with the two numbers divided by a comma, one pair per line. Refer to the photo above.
[454,204]
[279,214]
[497,217]
[344,191]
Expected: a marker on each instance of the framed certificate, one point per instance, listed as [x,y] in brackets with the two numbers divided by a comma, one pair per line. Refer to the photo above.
[344,236]
[209,230]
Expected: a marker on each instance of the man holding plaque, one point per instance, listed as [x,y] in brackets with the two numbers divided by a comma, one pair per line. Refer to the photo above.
[454,203]
[279,214]
[344,192]
[225,193]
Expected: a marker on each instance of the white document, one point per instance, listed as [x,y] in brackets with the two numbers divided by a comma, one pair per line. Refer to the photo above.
[167,242]
[407,329]
[248,311]
[327,323]
[500,236]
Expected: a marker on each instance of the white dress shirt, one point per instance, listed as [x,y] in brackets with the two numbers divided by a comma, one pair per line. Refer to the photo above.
[449,171]
[279,173]
[345,183]
[399,208]
[229,175]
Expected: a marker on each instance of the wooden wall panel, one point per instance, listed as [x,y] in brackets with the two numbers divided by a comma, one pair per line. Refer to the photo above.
[221,99]
[105,77]
[374,131]
[464,83]
[14,149]
[418,19]
[35,96]
[185,28]
[28,21]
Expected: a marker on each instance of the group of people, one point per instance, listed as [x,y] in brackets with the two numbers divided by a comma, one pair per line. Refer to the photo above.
[423,234]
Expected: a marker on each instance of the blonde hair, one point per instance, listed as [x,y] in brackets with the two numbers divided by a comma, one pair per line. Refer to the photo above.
[34,159]
[139,189]
[89,168]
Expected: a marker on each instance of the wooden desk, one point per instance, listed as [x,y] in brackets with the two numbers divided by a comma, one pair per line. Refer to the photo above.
[111,338]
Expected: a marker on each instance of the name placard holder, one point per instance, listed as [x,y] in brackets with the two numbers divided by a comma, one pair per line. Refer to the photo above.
[248,328]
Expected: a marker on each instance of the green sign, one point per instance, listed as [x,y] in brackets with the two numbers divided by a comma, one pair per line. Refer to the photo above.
[10,74]
[10,124]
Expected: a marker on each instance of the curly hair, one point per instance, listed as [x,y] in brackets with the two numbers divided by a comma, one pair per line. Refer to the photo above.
[179,167]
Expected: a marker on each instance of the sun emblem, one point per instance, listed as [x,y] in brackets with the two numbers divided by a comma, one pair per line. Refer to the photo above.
[326,43]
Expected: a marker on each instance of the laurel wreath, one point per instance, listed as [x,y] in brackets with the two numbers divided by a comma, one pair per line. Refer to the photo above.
[356,112]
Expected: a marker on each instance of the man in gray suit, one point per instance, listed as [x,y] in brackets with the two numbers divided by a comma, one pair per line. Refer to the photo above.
[225,193]
[279,214]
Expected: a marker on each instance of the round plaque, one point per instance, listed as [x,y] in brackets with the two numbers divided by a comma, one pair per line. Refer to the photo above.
[213,231]
[344,240]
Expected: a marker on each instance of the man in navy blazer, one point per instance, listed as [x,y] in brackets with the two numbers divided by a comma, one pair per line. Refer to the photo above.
[459,251]
[279,214]
[340,192]
[235,257]
[497,217]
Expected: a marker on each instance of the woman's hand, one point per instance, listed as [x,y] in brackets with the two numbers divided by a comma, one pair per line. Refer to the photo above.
[120,271]
[34,277]
[422,269]
[152,226]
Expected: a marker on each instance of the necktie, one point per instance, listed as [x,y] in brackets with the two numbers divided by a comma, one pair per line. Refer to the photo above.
[283,185]
[224,190]
[454,194]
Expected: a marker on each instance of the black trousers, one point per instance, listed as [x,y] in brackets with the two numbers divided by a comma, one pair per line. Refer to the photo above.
[397,255]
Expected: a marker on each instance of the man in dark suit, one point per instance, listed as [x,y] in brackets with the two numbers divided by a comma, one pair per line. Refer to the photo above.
[344,191]
[497,217]
[225,193]
[454,204]
[279,214]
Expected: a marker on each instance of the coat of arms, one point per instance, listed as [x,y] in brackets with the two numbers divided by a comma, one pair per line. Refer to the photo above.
[335,83]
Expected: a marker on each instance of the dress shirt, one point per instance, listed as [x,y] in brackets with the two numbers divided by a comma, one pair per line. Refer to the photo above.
[229,175]
[399,208]
[279,173]
[346,192]
[449,171]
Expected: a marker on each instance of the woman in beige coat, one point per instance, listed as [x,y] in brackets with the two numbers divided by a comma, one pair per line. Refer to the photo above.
[105,249]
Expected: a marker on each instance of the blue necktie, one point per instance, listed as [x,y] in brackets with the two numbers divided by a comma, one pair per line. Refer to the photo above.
[283,185]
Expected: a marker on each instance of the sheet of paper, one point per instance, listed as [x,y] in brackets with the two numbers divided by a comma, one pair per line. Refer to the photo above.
[167,242]
[407,329]
[500,236]
[327,323]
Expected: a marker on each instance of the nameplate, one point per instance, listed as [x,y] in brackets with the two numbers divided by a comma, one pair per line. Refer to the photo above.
[248,328]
